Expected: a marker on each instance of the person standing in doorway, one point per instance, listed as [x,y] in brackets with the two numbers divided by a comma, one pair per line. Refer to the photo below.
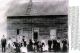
[3,43]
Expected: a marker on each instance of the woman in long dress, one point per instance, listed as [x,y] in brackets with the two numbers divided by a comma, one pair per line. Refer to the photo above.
[64,45]
[10,45]
[23,49]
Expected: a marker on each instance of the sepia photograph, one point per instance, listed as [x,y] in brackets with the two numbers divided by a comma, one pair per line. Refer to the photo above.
[36,26]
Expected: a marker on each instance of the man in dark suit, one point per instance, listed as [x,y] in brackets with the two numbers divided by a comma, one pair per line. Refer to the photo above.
[49,44]
[3,43]
[55,45]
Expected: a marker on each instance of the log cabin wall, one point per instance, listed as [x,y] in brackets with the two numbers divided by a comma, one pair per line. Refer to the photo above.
[43,23]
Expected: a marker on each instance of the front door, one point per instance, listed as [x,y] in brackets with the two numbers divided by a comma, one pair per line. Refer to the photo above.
[35,33]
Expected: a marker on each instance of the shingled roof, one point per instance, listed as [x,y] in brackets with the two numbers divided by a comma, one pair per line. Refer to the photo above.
[39,8]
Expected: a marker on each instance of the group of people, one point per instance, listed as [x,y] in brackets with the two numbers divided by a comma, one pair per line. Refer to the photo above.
[52,45]
[58,45]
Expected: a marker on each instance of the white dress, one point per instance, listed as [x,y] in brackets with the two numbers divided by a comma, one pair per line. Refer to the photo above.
[45,48]
[10,46]
[23,49]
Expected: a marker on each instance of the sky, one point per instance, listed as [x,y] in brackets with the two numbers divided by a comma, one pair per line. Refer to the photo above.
[3,10]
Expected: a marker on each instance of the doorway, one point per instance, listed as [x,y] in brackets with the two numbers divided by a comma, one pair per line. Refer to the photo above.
[35,33]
